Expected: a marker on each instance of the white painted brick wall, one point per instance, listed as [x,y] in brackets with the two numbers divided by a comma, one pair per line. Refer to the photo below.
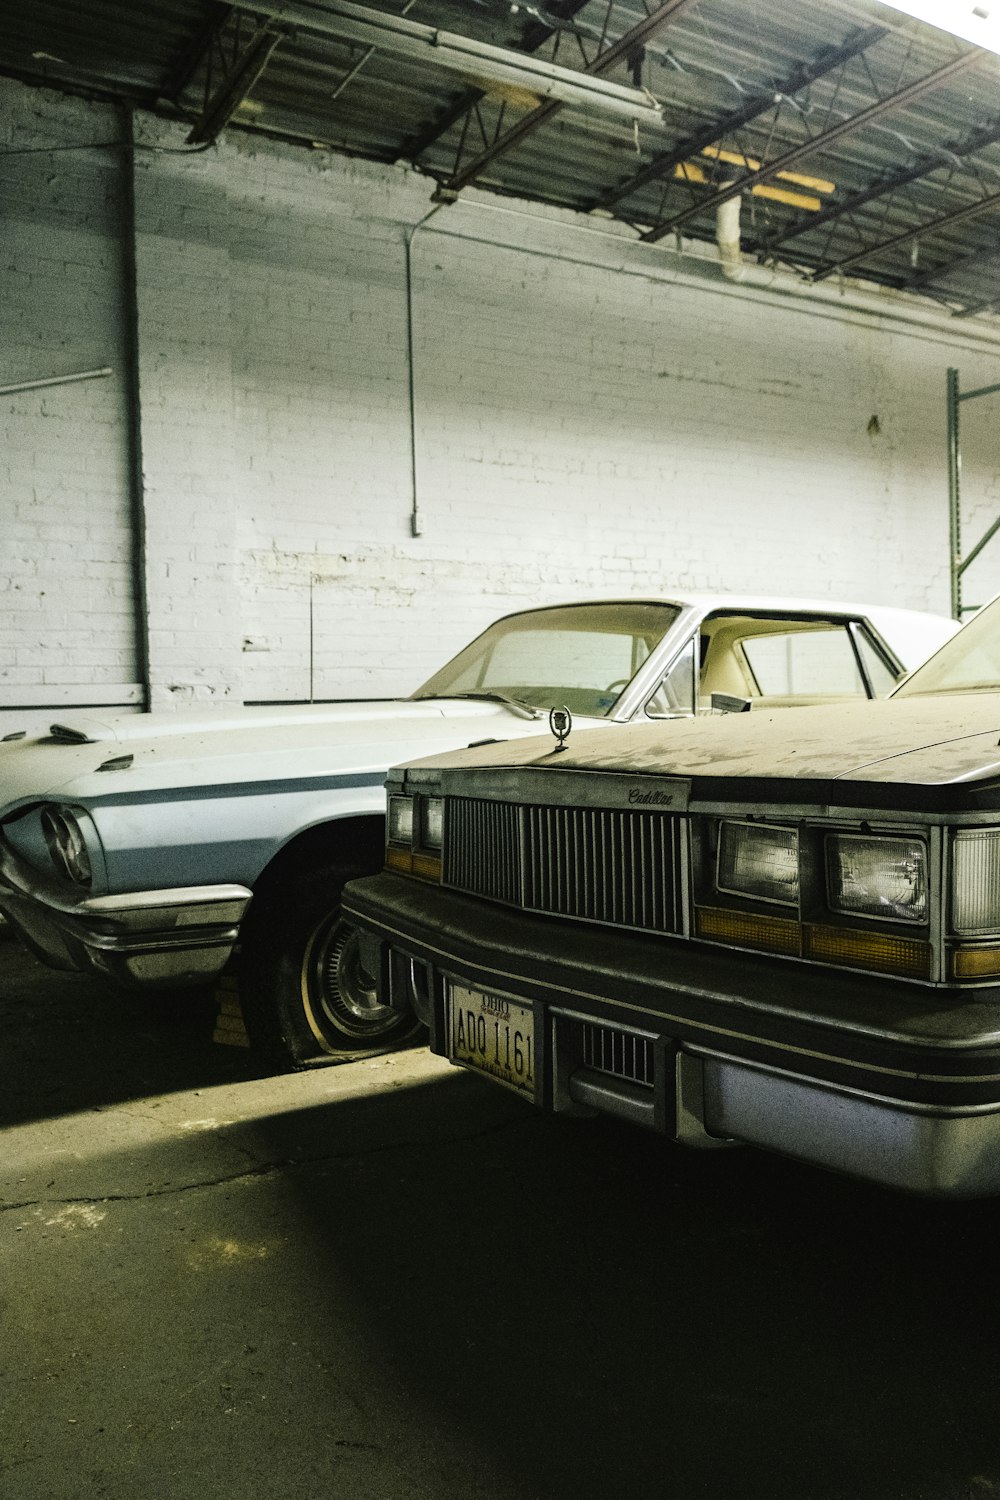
[66,620]
[593,417]
[188,420]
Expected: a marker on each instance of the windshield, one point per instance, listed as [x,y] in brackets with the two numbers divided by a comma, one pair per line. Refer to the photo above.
[968,663]
[580,656]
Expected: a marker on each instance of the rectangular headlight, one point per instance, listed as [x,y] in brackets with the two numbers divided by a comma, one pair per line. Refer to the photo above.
[759,861]
[868,876]
[975,882]
[432,822]
[401,821]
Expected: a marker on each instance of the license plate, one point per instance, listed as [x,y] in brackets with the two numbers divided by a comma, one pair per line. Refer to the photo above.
[493,1035]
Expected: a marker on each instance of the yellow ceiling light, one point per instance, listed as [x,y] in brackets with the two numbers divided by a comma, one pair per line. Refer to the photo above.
[973,20]
[738,159]
[782,195]
[690,171]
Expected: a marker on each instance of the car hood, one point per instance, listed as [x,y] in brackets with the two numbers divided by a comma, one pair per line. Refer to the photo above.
[926,741]
[94,756]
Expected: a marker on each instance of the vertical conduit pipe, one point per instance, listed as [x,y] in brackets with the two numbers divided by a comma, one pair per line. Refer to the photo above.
[410,236]
[130,326]
[954,498]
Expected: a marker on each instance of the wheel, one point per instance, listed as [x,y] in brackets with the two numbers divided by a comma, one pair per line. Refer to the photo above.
[305,993]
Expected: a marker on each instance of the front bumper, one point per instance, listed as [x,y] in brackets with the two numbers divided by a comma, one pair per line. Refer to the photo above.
[139,939]
[888,1081]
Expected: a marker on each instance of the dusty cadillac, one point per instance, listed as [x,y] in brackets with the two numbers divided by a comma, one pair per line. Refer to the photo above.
[149,848]
[763,928]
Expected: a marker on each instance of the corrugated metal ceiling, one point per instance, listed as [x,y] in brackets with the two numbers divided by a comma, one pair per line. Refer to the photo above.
[857,141]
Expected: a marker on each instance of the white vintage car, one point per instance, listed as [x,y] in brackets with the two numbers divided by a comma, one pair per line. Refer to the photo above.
[149,848]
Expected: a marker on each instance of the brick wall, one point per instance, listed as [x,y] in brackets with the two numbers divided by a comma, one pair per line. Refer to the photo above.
[66,619]
[592,416]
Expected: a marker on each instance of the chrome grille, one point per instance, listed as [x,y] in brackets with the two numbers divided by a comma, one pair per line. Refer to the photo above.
[482,849]
[595,864]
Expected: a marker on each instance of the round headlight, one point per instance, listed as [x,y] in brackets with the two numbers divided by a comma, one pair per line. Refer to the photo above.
[67,845]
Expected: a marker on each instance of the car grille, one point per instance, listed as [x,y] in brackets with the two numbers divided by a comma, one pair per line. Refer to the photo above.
[619,1054]
[595,864]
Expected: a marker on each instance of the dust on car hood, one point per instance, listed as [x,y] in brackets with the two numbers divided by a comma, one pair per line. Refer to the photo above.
[929,741]
[90,755]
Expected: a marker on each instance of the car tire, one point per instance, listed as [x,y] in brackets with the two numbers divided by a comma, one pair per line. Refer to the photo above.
[305,995]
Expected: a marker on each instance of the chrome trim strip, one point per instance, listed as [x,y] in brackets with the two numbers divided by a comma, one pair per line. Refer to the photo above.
[910,1107]
[898,1145]
[21,882]
[612,1096]
[985,1039]
[153,941]
[937,900]
[189,895]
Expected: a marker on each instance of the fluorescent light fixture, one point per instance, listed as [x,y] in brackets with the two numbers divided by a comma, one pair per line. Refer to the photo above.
[973,20]
[476,62]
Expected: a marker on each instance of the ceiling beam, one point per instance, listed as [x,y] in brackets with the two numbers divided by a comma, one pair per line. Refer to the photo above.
[759,104]
[453,53]
[606,59]
[535,36]
[943,221]
[880,187]
[786,159]
[236,85]
[196,52]
[944,269]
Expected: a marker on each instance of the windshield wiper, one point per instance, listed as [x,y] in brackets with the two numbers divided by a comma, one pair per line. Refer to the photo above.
[516,706]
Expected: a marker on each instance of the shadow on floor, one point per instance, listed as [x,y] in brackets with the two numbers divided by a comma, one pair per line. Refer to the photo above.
[68,1042]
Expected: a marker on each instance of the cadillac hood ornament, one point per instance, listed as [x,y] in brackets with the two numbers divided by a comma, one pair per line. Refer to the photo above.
[560,723]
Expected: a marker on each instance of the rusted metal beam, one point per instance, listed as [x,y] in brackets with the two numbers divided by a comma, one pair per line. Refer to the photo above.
[602,63]
[888,182]
[808,148]
[800,78]
[943,221]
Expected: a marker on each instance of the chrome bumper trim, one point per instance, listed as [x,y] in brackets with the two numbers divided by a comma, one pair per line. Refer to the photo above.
[934,1152]
[612,1096]
[183,935]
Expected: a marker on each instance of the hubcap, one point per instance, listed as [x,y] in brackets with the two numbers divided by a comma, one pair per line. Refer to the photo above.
[337,989]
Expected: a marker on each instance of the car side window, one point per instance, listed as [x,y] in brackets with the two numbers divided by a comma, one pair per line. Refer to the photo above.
[805,662]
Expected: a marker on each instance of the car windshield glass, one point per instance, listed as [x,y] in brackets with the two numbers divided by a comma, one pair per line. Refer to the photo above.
[578,655]
[968,663]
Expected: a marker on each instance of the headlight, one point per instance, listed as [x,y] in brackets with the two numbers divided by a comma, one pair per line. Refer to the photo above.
[877,877]
[67,845]
[401,820]
[975,882]
[432,822]
[759,861]
[413,845]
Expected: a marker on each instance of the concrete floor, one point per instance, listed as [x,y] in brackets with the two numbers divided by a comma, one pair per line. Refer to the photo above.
[393,1280]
